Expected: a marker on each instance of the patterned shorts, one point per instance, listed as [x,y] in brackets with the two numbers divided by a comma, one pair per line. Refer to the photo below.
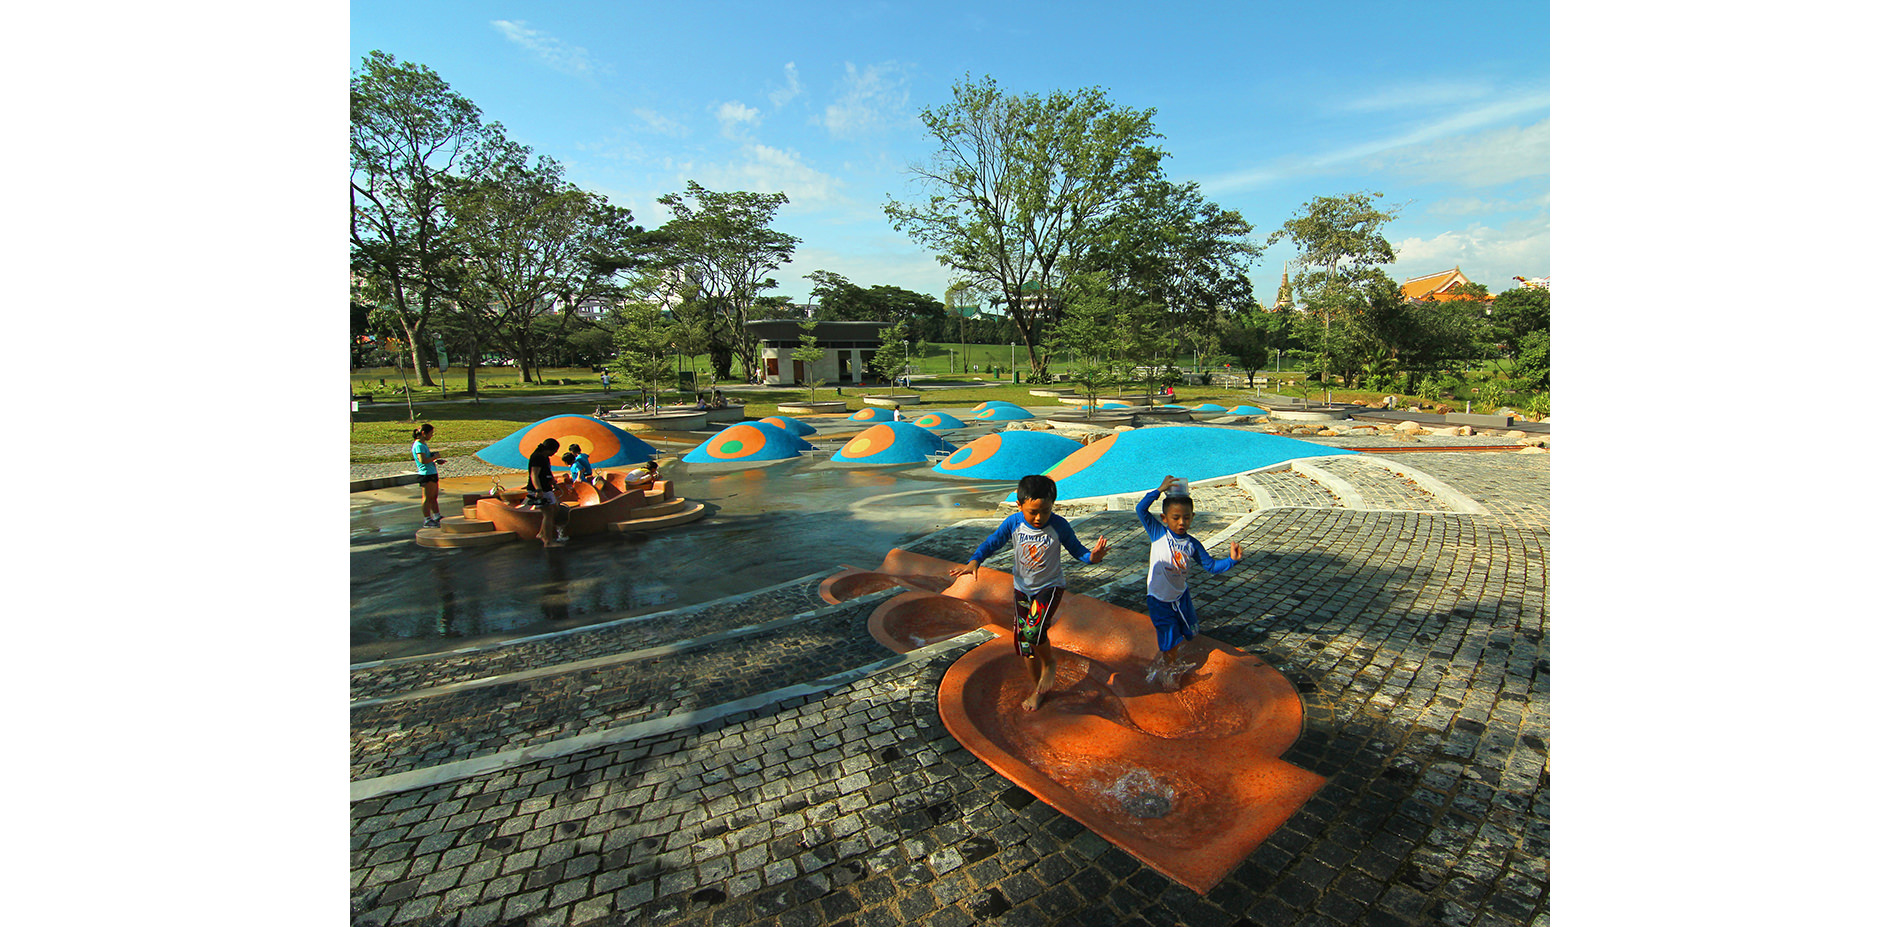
[1034,614]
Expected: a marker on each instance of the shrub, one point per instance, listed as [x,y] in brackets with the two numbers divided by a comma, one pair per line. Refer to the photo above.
[1539,405]
[1493,393]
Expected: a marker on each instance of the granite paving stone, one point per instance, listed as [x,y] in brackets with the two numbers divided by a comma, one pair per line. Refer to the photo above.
[1418,638]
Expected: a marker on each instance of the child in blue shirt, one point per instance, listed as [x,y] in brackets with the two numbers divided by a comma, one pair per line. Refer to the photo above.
[579,468]
[1034,531]
[1169,550]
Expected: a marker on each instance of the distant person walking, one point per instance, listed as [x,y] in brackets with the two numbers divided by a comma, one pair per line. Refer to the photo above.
[431,481]
[606,379]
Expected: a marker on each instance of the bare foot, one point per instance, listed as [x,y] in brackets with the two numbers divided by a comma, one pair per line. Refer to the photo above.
[1034,700]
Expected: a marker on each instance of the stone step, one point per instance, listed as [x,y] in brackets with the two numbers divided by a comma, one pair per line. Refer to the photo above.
[462,524]
[439,537]
[680,511]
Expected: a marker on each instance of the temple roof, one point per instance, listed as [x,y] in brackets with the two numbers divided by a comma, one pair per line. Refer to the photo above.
[1436,286]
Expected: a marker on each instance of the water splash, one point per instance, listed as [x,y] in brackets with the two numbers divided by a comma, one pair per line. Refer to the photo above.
[1168,675]
[1141,795]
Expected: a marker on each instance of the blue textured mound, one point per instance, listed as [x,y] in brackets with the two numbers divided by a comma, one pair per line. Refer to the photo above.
[1008,455]
[1210,407]
[748,442]
[790,424]
[1246,410]
[937,421]
[891,443]
[1112,404]
[997,410]
[1136,461]
[604,444]
[873,414]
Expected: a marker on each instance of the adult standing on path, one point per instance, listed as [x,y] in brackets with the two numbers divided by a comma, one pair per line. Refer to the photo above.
[605,379]
[425,467]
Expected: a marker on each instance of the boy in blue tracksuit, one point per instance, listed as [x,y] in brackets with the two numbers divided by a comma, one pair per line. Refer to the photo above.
[1035,530]
[1169,550]
[579,468]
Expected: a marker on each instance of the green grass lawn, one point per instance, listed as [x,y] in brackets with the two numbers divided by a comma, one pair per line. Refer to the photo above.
[386,420]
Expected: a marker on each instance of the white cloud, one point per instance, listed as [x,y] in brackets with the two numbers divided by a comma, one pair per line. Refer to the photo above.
[660,124]
[1432,150]
[764,169]
[1490,256]
[1416,96]
[792,88]
[1497,156]
[553,52]
[876,98]
[1472,205]
[734,117]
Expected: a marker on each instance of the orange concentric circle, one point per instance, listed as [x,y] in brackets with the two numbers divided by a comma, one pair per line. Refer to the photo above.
[737,442]
[870,442]
[973,453]
[1080,460]
[596,440]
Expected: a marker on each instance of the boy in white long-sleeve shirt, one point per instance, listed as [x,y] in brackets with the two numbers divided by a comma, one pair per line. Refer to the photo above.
[1169,550]
[1035,531]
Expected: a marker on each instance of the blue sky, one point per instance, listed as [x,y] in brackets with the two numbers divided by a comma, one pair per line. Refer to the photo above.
[1443,107]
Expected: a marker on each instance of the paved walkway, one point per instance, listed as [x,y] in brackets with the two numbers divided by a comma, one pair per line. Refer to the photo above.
[758,761]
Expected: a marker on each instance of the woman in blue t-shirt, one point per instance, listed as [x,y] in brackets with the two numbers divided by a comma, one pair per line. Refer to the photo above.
[431,481]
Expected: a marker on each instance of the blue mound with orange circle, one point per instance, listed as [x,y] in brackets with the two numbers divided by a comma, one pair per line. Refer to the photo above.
[790,424]
[1246,410]
[873,414]
[937,421]
[1112,404]
[1008,455]
[748,442]
[1137,460]
[1210,407]
[997,410]
[604,445]
[891,443]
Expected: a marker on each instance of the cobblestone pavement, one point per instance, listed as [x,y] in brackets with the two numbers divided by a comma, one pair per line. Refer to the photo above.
[1418,638]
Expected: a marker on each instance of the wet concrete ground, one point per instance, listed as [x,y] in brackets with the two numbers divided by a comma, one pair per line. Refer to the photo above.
[767,526]
[720,768]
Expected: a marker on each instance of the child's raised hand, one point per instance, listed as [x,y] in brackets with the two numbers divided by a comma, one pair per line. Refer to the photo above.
[1100,549]
[1234,549]
[1166,482]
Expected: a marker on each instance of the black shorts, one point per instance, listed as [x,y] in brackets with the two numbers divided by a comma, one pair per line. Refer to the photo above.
[430,478]
[1034,614]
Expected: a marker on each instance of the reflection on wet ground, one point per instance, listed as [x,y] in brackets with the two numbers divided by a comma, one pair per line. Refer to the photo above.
[769,525]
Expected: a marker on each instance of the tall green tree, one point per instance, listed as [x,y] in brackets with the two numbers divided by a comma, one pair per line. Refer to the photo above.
[808,354]
[893,351]
[534,246]
[409,135]
[1016,185]
[724,244]
[1339,239]
[645,339]
[1091,330]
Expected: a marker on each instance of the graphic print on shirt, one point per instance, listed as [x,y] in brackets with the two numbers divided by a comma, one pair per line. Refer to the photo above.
[1168,558]
[1032,549]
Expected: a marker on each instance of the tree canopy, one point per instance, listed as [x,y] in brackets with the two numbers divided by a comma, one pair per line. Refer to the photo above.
[410,134]
[722,243]
[1017,184]
[532,246]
